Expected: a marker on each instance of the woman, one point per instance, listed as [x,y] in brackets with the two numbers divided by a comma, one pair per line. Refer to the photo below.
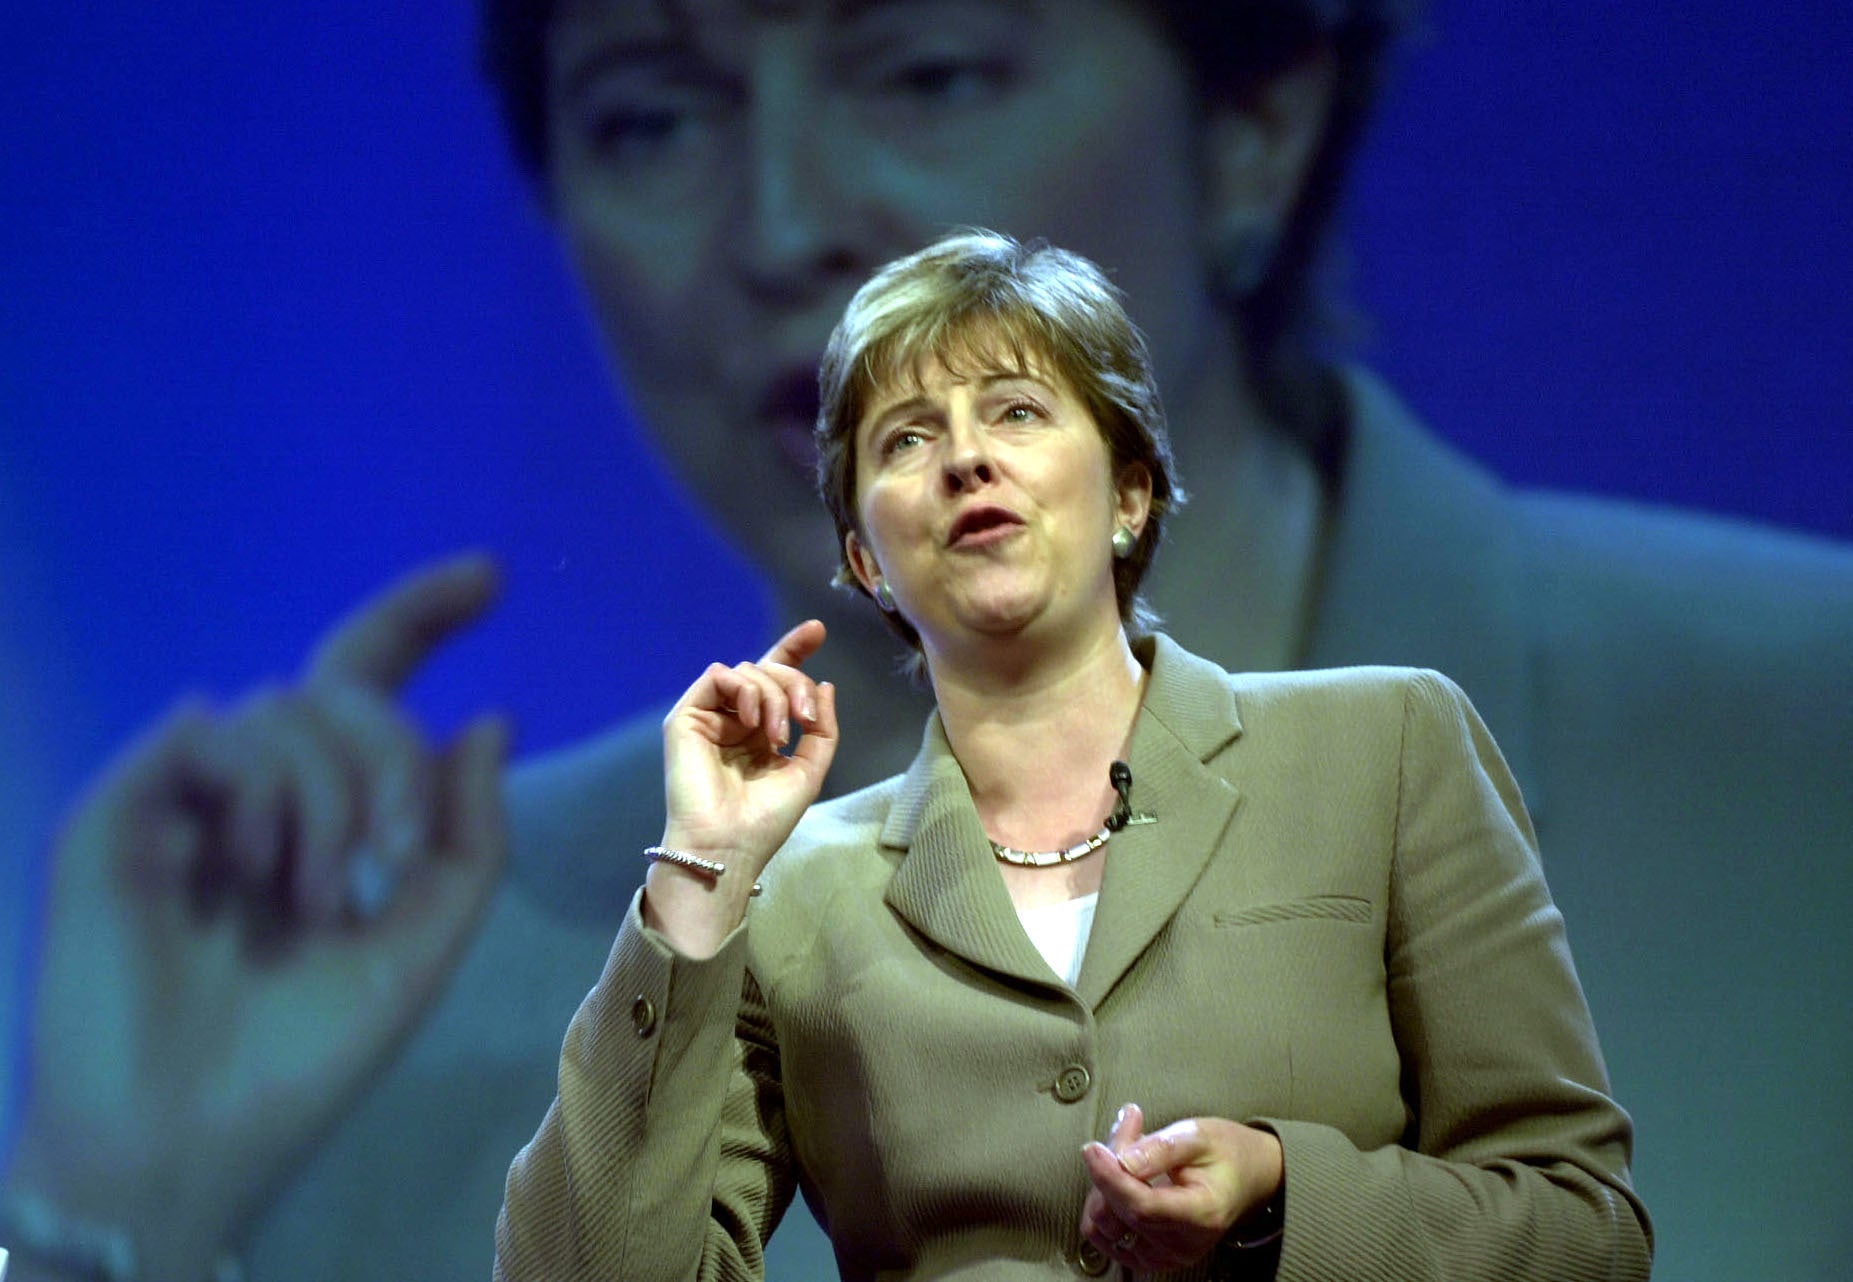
[1347,1007]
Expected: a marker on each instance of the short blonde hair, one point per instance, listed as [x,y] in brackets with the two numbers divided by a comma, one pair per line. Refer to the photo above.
[976,300]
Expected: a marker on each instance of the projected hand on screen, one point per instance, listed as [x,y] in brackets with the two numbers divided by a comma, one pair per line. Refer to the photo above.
[249,911]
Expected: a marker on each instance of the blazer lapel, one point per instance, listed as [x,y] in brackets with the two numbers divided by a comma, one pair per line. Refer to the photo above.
[946,886]
[1188,716]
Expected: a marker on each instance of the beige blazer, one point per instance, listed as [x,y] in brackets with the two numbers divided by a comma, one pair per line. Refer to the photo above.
[1336,928]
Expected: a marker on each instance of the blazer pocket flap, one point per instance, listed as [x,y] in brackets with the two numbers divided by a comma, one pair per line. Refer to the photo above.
[1313,907]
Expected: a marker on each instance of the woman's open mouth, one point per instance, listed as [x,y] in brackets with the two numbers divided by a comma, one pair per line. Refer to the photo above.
[983,526]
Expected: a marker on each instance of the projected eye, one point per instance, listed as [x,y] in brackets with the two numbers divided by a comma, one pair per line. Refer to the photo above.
[948,81]
[651,127]
[636,135]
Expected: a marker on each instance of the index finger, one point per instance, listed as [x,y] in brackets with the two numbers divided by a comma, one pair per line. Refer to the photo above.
[1179,1144]
[384,640]
[797,645]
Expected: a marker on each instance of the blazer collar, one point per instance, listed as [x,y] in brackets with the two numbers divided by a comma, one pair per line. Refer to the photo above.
[947,886]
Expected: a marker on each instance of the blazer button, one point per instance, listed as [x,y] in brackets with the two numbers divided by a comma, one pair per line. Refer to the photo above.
[643,1016]
[1072,1083]
[1091,1260]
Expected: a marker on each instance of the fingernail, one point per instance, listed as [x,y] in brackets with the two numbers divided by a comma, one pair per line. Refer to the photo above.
[1119,1118]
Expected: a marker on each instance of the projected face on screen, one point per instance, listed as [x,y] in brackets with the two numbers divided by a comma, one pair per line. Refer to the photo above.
[727,173]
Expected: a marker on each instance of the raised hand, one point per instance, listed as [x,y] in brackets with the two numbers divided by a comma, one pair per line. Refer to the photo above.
[1164,1201]
[249,912]
[734,786]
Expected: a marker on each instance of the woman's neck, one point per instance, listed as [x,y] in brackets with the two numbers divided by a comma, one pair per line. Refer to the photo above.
[1035,731]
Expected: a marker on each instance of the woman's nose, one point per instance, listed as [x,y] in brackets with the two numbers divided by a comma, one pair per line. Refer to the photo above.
[967,464]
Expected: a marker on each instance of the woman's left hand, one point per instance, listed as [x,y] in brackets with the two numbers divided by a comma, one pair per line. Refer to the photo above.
[1163,1201]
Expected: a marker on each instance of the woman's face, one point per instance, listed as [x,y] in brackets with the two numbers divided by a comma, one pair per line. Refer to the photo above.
[727,172]
[986,502]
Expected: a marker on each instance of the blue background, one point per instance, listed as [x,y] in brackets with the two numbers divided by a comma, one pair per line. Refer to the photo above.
[280,320]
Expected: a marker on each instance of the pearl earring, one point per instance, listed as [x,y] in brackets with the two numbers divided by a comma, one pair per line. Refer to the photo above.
[884,596]
[1124,541]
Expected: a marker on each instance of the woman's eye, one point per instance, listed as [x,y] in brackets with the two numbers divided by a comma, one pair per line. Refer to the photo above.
[1021,412]
[904,439]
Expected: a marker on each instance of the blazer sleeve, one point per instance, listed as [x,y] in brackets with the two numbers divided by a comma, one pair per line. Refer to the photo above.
[665,1154]
[1514,1164]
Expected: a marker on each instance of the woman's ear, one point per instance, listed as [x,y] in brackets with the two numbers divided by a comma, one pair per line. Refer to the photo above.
[861,562]
[1258,152]
[1133,497]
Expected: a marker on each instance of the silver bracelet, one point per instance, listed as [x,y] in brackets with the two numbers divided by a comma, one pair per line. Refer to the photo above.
[694,863]
[37,1231]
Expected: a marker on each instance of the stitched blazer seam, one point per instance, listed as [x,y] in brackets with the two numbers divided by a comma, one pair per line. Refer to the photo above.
[1392,909]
